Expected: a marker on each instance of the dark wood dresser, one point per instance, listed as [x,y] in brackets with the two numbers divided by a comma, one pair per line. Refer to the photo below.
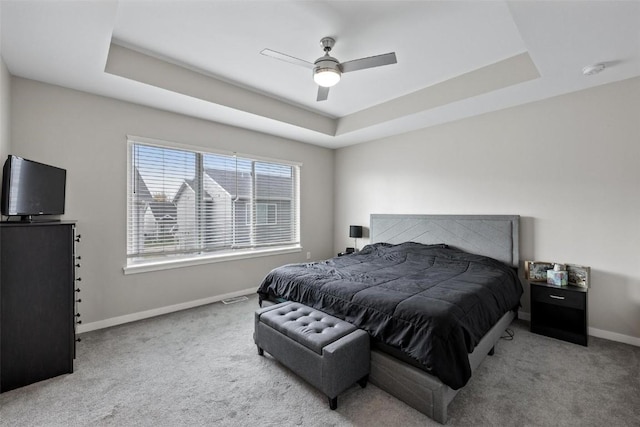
[37,301]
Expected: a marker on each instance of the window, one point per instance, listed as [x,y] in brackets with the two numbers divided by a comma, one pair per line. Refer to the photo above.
[266,213]
[184,204]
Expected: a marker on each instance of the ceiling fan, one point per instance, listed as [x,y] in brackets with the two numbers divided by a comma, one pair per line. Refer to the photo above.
[327,69]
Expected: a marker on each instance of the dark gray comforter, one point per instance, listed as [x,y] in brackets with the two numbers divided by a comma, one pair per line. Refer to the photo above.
[432,302]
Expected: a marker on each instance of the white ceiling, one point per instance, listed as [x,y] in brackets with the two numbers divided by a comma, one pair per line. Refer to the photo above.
[202,58]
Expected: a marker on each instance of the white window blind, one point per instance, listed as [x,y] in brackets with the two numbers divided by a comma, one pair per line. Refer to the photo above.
[184,203]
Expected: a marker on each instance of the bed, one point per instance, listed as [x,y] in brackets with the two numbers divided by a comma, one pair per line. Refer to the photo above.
[435,292]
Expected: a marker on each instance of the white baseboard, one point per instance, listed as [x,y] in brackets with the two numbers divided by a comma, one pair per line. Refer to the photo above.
[114,321]
[599,333]
[614,336]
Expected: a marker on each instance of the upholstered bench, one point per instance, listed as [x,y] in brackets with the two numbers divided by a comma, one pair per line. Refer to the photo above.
[327,352]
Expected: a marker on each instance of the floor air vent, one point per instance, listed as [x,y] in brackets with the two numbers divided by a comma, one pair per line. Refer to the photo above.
[234,300]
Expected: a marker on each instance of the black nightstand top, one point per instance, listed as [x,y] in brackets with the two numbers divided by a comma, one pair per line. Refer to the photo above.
[566,288]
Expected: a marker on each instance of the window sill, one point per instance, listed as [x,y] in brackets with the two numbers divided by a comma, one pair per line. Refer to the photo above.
[147,266]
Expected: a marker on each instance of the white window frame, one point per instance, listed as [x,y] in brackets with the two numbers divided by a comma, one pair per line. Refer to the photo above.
[162,262]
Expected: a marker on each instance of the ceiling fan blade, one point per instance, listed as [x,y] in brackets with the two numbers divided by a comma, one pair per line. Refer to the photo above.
[286,58]
[323,93]
[370,62]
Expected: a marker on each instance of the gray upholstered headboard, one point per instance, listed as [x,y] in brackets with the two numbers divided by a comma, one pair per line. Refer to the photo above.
[495,236]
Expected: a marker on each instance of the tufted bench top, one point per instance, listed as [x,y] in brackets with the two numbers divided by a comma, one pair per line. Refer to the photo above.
[311,328]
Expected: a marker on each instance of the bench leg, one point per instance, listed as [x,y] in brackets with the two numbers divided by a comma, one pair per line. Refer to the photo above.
[363,381]
[260,351]
[333,403]
[492,351]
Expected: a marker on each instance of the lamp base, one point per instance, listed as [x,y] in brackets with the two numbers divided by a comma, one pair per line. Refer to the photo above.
[350,250]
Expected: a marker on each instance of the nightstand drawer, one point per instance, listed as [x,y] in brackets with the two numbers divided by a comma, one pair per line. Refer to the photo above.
[560,297]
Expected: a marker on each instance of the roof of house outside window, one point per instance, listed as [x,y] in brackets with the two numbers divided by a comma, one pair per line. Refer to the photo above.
[269,187]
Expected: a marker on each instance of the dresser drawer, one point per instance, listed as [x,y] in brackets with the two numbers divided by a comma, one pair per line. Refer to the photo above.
[559,296]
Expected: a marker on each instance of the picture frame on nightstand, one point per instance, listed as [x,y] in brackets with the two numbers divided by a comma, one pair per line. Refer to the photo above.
[579,275]
[536,271]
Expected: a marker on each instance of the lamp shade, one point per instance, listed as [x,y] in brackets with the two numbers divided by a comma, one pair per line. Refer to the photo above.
[326,78]
[326,72]
[355,231]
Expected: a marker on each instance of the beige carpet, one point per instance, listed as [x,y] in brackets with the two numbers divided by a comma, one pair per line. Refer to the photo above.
[200,368]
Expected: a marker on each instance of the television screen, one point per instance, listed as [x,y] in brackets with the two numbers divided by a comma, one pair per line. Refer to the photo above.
[32,188]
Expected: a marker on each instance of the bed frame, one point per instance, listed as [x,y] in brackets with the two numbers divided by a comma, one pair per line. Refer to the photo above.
[496,236]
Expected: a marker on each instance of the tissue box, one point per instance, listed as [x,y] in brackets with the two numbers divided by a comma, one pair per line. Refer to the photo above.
[558,278]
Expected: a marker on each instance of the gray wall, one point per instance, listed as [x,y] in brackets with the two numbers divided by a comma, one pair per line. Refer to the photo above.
[86,134]
[567,165]
[5,117]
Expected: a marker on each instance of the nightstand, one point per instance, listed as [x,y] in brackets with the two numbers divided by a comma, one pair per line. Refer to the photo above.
[559,312]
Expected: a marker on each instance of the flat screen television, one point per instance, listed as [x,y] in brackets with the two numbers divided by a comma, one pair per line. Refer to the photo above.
[31,189]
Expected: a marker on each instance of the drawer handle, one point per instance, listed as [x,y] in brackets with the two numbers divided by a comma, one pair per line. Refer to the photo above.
[556,296]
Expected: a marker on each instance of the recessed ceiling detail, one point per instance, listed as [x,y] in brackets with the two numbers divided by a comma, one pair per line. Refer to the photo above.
[162,74]
[143,68]
[455,59]
[508,72]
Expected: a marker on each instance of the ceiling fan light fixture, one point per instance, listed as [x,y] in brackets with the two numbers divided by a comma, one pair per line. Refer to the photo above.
[326,72]
[326,77]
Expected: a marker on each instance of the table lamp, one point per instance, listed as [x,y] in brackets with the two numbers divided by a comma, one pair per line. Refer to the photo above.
[355,231]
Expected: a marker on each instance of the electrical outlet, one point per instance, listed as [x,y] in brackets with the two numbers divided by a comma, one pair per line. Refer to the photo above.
[308,255]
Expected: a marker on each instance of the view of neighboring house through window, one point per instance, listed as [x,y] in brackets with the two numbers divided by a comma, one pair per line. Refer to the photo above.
[184,203]
[266,213]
